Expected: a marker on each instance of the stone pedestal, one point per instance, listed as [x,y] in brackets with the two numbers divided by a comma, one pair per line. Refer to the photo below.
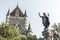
[47,34]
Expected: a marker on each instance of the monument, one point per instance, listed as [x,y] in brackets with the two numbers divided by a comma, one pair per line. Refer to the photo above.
[45,20]
[47,33]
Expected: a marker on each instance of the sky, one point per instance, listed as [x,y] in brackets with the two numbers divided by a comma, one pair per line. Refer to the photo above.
[32,8]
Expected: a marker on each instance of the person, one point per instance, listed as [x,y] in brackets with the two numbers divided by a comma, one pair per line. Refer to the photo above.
[45,20]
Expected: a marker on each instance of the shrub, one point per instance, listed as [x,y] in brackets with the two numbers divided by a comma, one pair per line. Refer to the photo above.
[9,32]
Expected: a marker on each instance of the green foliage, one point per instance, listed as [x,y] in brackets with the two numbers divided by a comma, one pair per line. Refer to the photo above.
[9,32]
[23,38]
[55,36]
[58,28]
[56,32]
[32,38]
[40,38]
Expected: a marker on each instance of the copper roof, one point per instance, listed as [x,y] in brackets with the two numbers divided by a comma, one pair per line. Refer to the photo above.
[20,12]
[14,11]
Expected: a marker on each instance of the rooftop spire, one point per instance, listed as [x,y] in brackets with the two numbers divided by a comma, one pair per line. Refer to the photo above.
[29,31]
[25,14]
[8,12]
[17,5]
[29,28]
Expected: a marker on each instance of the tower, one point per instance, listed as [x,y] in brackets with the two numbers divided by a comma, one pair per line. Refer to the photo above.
[16,13]
[17,18]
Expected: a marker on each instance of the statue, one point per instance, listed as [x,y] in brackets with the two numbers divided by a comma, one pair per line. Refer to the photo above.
[45,20]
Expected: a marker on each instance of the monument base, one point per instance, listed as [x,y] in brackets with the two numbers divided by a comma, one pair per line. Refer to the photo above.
[47,34]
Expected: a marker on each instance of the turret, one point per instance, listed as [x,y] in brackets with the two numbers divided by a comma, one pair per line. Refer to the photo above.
[7,16]
[29,32]
[25,14]
[8,12]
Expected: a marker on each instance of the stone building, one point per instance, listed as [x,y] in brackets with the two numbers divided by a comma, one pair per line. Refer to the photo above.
[18,19]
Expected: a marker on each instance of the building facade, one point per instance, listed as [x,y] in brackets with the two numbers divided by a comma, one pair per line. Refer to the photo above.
[18,19]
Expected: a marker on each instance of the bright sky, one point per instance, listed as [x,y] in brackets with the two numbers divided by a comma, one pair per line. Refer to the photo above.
[33,7]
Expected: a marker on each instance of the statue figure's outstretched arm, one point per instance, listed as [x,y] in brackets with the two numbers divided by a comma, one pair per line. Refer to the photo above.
[39,15]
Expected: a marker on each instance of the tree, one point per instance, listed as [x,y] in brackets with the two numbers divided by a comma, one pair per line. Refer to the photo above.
[32,37]
[22,38]
[56,36]
[58,28]
[9,32]
[56,31]
[40,38]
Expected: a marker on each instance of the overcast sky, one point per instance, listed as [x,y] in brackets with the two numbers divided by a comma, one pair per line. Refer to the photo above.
[33,7]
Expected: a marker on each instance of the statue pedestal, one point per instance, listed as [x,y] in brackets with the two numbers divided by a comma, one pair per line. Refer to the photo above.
[47,34]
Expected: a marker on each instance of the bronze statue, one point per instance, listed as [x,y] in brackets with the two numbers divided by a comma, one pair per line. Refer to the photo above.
[45,20]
